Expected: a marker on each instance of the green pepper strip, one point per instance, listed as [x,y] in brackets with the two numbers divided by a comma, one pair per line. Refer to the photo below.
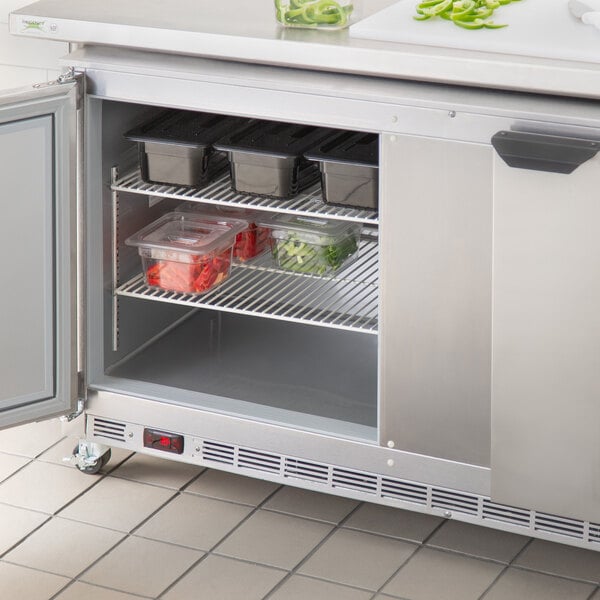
[313,12]
[468,14]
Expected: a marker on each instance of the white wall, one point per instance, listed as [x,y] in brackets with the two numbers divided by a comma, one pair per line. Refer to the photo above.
[22,60]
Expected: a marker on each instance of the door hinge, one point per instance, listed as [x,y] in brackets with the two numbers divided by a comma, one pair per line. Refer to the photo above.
[77,413]
[69,76]
[81,399]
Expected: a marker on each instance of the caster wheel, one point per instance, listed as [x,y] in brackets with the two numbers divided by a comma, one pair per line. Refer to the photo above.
[94,468]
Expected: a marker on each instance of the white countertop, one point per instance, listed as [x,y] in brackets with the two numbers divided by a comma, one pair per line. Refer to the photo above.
[245,30]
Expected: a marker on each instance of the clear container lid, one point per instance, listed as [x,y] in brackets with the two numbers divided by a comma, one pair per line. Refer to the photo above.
[188,234]
[311,230]
[229,213]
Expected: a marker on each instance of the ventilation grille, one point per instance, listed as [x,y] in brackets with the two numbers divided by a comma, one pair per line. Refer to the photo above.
[309,471]
[354,480]
[111,430]
[455,501]
[560,525]
[259,461]
[506,514]
[403,490]
[373,486]
[220,453]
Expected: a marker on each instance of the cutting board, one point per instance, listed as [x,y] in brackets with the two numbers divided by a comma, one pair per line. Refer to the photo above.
[538,28]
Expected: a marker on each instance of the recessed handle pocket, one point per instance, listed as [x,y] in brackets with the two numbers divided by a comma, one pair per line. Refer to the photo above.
[539,152]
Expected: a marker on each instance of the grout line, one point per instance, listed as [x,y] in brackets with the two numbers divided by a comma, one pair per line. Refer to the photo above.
[210,551]
[103,587]
[18,543]
[295,569]
[551,574]
[596,589]
[420,545]
[507,566]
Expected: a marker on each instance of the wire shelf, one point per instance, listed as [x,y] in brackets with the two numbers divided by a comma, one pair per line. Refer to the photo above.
[308,203]
[348,301]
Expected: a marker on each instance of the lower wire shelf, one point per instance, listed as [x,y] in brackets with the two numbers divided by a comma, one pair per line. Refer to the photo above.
[349,300]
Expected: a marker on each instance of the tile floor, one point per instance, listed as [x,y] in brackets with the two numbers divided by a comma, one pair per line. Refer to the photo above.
[149,528]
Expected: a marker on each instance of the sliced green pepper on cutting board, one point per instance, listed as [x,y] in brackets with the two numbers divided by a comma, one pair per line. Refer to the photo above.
[468,14]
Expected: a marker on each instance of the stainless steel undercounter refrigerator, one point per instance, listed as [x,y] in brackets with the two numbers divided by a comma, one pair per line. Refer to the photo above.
[433,345]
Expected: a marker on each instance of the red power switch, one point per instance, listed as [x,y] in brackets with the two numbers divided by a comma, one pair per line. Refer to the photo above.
[162,440]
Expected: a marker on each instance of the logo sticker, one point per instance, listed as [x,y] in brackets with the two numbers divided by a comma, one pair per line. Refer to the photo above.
[32,25]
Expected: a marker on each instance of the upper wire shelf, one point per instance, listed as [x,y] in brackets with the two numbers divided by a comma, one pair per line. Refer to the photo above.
[307,203]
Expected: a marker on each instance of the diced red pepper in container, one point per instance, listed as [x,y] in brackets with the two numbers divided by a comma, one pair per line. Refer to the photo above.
[251,242]
[189,278]
[186,254]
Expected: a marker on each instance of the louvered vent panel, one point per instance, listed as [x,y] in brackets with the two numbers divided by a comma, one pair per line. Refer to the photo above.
[216,452]
[595,533]
[112,430]
[301,469]
[506,514]
[454,501]
[403,490]
[355,480]
[559,525]
[259,461]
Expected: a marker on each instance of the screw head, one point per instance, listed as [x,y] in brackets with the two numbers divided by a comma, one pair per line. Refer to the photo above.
[197,448]
[447,514]
[391,444]
[452,114]
[394,119]
[130,434]
[390,462]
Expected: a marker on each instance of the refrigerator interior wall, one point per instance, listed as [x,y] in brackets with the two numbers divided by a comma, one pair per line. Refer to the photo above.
[258,367]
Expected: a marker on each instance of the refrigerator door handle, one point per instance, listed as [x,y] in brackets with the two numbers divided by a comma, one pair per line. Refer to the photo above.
[539,152]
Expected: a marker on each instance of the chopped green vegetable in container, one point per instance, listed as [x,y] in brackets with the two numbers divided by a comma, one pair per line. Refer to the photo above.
[315,14]
[310,245]
[468,14]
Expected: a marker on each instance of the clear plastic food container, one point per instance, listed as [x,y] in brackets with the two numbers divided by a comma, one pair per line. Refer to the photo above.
[317,14]
[250,242]
[312,245]
[183,253]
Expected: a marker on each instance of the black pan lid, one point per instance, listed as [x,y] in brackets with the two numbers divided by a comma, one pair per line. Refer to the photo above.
[186,128]
[284,140]
[348,147]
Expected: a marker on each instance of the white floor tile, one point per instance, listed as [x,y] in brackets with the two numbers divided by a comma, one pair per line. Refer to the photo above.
[26,584]
[117,504]
[64,547]
[85,591]
[32,439]
[16,523]
[44,486]
[142,567]
[9,463]
[157,471]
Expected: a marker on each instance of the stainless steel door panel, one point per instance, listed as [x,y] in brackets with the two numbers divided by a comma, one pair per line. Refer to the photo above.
[546,340]
[26,344]
[37,247]
[435,331]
